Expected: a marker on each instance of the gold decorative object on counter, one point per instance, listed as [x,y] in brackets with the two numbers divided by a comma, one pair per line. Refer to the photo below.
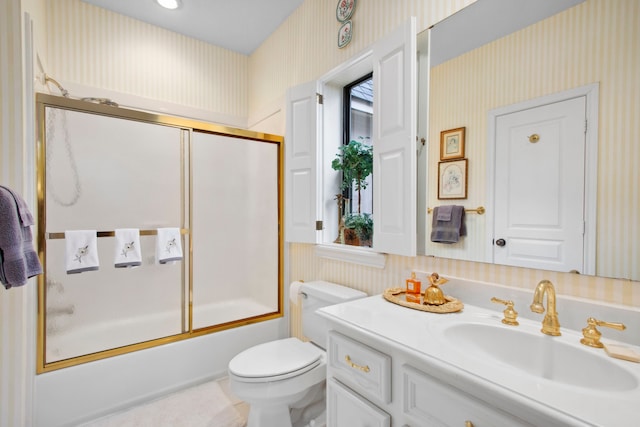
[591,334]
[433,295]
[510,315]
[396,296]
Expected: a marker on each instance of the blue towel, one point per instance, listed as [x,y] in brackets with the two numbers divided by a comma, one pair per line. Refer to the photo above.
[448,230]
[18,259]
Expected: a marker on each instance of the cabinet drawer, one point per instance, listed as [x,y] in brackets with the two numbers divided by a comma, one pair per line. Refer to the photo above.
[346,409]
[432,403]
[360,366]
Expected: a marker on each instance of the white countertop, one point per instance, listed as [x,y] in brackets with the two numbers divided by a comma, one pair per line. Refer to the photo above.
[419,332]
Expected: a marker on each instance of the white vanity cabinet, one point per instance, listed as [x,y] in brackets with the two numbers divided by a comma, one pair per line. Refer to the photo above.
[368,387]
[416,369]
[430,402]
[346,408]
[359,383]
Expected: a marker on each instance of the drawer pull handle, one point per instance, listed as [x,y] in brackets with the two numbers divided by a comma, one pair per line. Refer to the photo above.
[353,365]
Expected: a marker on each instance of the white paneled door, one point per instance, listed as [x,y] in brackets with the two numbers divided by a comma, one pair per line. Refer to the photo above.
[540,186]
[301,176]
[394,142]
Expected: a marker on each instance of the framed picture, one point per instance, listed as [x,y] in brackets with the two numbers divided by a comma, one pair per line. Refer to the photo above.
[452,144]
[452,179]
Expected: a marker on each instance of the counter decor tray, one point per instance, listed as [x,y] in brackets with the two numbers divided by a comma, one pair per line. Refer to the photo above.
[397,296]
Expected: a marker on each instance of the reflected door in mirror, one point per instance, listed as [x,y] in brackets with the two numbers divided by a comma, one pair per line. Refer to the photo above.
[539,187]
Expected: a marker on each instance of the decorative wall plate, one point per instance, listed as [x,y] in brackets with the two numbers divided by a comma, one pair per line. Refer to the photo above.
[344,34]
[345,9]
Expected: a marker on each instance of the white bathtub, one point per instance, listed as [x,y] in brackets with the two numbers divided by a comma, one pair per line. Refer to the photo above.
[70,396]
[65,341]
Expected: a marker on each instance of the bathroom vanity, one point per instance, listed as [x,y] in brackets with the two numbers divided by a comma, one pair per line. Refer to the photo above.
[389,365]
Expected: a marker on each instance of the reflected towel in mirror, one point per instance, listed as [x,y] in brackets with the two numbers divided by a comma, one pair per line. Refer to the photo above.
[448,231]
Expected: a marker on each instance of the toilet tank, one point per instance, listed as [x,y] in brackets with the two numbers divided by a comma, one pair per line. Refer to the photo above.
[320,294]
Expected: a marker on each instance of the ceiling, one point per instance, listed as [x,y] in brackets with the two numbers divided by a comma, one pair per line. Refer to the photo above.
[237,25]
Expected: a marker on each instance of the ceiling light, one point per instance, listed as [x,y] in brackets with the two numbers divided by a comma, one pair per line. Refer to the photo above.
[169,4]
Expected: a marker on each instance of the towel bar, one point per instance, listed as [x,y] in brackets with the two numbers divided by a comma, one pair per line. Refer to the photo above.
[60,235]
[480,210]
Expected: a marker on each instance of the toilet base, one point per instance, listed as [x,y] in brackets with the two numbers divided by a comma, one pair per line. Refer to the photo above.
[292,412]
[272,415]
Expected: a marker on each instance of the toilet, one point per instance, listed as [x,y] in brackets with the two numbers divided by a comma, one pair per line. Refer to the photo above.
[280,379]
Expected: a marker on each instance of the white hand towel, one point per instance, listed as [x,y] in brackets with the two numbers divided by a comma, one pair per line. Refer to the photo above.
[168,245]
[81,250]
[128,253]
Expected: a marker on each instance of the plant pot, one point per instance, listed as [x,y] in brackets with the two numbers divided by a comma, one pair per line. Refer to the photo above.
[351,237]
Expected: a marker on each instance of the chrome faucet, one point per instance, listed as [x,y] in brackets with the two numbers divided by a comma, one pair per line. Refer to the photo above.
[550,323]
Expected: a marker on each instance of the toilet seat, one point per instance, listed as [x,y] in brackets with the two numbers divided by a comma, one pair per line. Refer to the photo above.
[275,360]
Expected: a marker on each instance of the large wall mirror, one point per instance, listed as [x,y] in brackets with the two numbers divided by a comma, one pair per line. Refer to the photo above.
[524,51]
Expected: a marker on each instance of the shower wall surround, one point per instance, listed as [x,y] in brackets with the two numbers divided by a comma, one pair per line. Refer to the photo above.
[104,168]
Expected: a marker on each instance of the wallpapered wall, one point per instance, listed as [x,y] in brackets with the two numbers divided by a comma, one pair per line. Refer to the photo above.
[283,64]
[95,47]
[17,312]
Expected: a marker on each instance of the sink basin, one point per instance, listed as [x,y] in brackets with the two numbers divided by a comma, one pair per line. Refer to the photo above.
[540,355]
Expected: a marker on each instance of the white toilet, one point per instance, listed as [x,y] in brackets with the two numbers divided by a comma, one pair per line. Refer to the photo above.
[281,377]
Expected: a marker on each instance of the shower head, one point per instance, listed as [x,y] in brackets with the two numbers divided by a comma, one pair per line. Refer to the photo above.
[103,101]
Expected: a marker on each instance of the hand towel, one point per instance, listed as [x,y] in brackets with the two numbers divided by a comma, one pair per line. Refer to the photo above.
[443,213]
[81,250]
[18,259]
[168,245]
[26,219]
[448,231]
[128,253]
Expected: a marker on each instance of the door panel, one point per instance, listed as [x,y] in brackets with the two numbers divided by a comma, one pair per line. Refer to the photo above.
[539,186]
[394,147]
[301,146]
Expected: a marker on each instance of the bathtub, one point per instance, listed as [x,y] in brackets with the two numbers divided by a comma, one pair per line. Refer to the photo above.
[65,341]
[73,395]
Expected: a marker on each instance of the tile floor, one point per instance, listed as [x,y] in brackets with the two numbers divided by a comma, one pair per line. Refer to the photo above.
[210,404]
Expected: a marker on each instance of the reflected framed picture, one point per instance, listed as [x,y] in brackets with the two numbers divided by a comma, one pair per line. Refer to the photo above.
[452,144]
[452,179]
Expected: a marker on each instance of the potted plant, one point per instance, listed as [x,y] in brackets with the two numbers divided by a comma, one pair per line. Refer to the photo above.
[362,226]
[355,161]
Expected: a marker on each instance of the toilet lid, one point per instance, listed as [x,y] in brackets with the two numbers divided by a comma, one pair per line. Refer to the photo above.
[282,359]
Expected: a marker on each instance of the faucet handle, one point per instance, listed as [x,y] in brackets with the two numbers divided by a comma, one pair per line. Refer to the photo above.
[510,315]
[591,334]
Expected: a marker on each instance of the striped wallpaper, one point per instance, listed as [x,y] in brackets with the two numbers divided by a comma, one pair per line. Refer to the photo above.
[304,47]
[307,266]
[597,41]
[95,47]
[16,313]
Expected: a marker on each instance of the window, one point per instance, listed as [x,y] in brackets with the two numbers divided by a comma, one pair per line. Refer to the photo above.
[355,162]
[315,133]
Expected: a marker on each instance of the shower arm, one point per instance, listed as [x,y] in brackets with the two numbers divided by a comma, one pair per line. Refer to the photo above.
[48,79]
[65,93]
